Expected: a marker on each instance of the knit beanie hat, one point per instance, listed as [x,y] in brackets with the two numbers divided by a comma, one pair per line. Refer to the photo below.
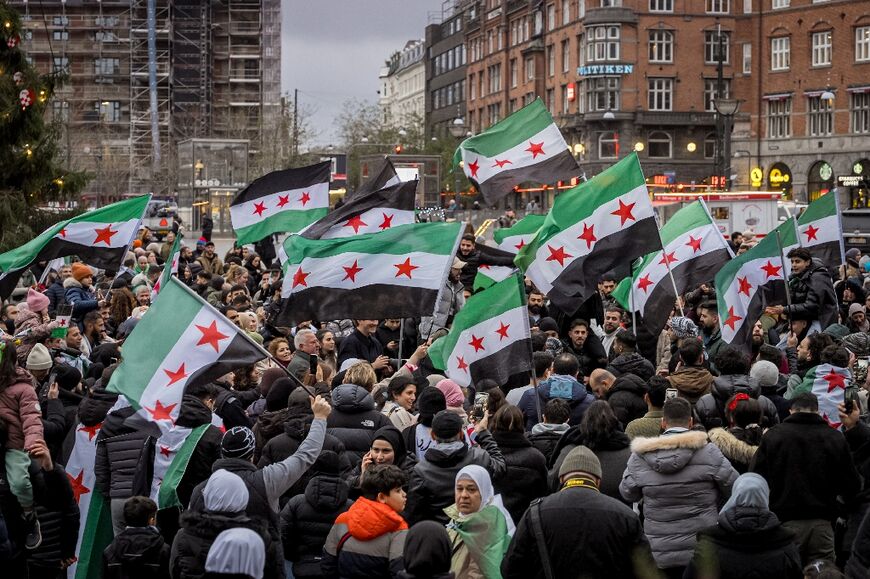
[430,402]
[548,325]
[853,309]
[857,343]
[36,301]
[80,271]
[67,377]
[278,394]
[837,331]
[447,425]
[766,373]
[238,442]
[39,358]
[581,459]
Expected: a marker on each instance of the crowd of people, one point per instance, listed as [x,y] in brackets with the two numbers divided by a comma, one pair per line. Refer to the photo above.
[347,454]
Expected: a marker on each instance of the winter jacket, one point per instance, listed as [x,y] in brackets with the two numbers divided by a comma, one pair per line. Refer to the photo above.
[812,295]
[748,543]
[807,464]
[122,449]
[433,479]
[612,452]
[650,425]
[712,344]
[682,480]
[300,364]
[230,408]
[21,413]
[213,264]
[590,356]
[585,531]
[269,425]
[356,345]
[34,330]
[91,412]
[56,295]
[632,363]
[526,476]
[711,407]
[193,414]
[399,417]
[557,386]
[137,553]
[450,301]
[79,298]
[354,420]
[692,382]
[545,437]
[738,452]
[626,397]
[374,540]
[307,519]
[858,566]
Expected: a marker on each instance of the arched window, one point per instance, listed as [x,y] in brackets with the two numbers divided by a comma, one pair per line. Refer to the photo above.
[659,145]
[710,146]
[608,145]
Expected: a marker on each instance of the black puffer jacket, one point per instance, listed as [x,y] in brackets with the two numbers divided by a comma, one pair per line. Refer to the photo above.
[269,424]
[307,519]
[626,398]
[711,407]
[632,363]
[813,296]
[612,449]
[193,414]
[354,420]
[137,553]
[120,456]
[526,477]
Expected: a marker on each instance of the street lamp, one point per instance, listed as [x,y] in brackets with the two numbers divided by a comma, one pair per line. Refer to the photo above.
[608,116]
[726,108]
[457,129]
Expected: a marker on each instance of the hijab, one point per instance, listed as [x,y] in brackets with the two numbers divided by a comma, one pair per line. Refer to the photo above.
[749,490]
[392,435]
[237,551]
[225,492]
[452,392]
[481,478]
[427,550]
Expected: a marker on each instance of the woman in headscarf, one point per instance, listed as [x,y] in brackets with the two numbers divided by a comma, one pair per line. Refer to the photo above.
[454,395]
[748,541]
[236,553]
[427,552]
[480,528]
[388,447]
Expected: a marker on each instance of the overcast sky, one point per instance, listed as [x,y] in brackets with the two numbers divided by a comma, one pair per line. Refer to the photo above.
[332,50]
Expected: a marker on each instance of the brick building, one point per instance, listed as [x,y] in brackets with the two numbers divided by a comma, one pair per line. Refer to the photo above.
[445,69]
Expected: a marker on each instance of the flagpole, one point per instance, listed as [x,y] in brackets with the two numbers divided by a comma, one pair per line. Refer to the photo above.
[787,290]
[667,266]
[673,283]
[631,298]
[713,222]
[133,238]
[836,194]
[401,339]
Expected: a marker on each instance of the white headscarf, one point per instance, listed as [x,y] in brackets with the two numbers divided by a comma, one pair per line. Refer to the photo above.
[481,478]
[225,492]
[240,551]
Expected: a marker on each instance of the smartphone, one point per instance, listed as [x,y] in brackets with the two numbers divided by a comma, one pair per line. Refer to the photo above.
[481,399]
[671,393]
[851,401]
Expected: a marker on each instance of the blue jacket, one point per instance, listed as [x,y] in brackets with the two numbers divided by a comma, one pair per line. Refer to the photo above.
[81,299]
[557,386]
[56,295]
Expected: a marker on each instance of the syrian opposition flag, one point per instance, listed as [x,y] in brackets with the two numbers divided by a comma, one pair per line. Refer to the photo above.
[99,238]
[397,273]
[490,336]
[281,201]
[384,176]
[368,213]
[694,250]
[821,231]
[95,522]
[488,275]
[180,340]
[170,268]
[513,239]
[526,146]
[749,283]
[829,384]
[599,226]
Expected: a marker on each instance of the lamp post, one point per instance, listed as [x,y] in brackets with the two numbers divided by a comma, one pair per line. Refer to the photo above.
[457,129]
[726,108]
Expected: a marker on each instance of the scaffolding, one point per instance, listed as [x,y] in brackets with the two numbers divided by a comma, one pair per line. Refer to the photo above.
[191,69]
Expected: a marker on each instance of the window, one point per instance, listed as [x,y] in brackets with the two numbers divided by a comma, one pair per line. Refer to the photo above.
[862,44]
[710,145]
[513,65]
[747,58]
[551,100]
[581,49]
[60,21]
[822,48]
[712,40]
[566,12]
[60,110]
[472,92]
[551,16]
[513,105]
[717,7]
[780,53]
[603,43]
[530,68]
[566,104]
[60,64]
[779,118]
[494,73]
[602,93]
[661,5]
[747,6]
[608,145]
[776,4]
[109,111]
[528,98]
[711,91]
[581,9]
[659,145]
[106,66]
[820,117]
[494,112]
[661,46]
[60,34]
[566,55]
[861,112]
[551,60]
[660,93]
[610,3]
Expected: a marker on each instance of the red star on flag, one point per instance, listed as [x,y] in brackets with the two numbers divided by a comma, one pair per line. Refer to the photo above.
[695,244]
[460,363]
[810,232]
[283,200]
[305,198]
[502,330]
[771,270]
[476,343]
[175,375]
[62,232]
[350,272]
[355,223]
[669,258]
[62,322]
[834,381]
[405,268]
[91,430]
[536,149]
[745,286]
[732,318]
[624,212]
[299,277]
[165,451]
[160,412]
[644,282]
[105,235]
[501,164]
[388,221]
[259,208]
[521,244]
[558,255]
[588,235]
[211,335]
[78,487]
[832,424]
[474,167]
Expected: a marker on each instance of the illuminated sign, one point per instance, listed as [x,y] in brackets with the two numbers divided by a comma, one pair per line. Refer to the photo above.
[572,94]
[850,181]
[777,178]
[825,172]
[756,176]
[591,70]
[717,180]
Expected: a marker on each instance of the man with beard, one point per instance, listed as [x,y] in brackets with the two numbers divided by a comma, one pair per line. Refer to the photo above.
[808,354]
[474,258]
[605,287]
[612,323]
[757,338]
[94,333]
[537,309]
[708,316]
[7,318]
[812,291]
[691,378]
[586,346]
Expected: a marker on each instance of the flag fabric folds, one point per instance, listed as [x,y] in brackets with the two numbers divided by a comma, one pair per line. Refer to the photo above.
[598,227]
[487,274]
[821,231]
[526,146]
[396,273]
[383,176]
[694,250]
[99,238]
[830,385]
[281,201]
[513,239]
[489,338]
[170,268]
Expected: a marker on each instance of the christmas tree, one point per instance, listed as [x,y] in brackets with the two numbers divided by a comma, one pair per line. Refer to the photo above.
[30,173]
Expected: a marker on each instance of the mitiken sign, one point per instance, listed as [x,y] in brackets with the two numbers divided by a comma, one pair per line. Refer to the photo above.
[596,69]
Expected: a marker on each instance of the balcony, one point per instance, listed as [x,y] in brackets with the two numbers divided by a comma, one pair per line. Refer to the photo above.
[610,15]
[675,118]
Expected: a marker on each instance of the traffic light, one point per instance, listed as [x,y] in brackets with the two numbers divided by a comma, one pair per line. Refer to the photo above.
[398,149]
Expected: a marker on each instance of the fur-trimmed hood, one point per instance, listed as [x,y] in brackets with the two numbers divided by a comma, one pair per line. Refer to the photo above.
[732,447]
[71,282]
[669,453]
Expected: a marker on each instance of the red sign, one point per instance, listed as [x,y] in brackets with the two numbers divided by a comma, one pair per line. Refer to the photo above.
[572,94]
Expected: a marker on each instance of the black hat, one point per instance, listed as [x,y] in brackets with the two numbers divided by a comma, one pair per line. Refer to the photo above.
[548,325]
[279,393]
[327,463]
[67,377]
[446,425]
[238,442]
[430,401]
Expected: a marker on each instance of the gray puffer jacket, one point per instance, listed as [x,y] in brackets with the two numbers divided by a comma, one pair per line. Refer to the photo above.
[683,480]
[450,301]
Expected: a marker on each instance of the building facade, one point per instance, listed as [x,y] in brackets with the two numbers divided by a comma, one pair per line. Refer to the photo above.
[445,69]
[403,85]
